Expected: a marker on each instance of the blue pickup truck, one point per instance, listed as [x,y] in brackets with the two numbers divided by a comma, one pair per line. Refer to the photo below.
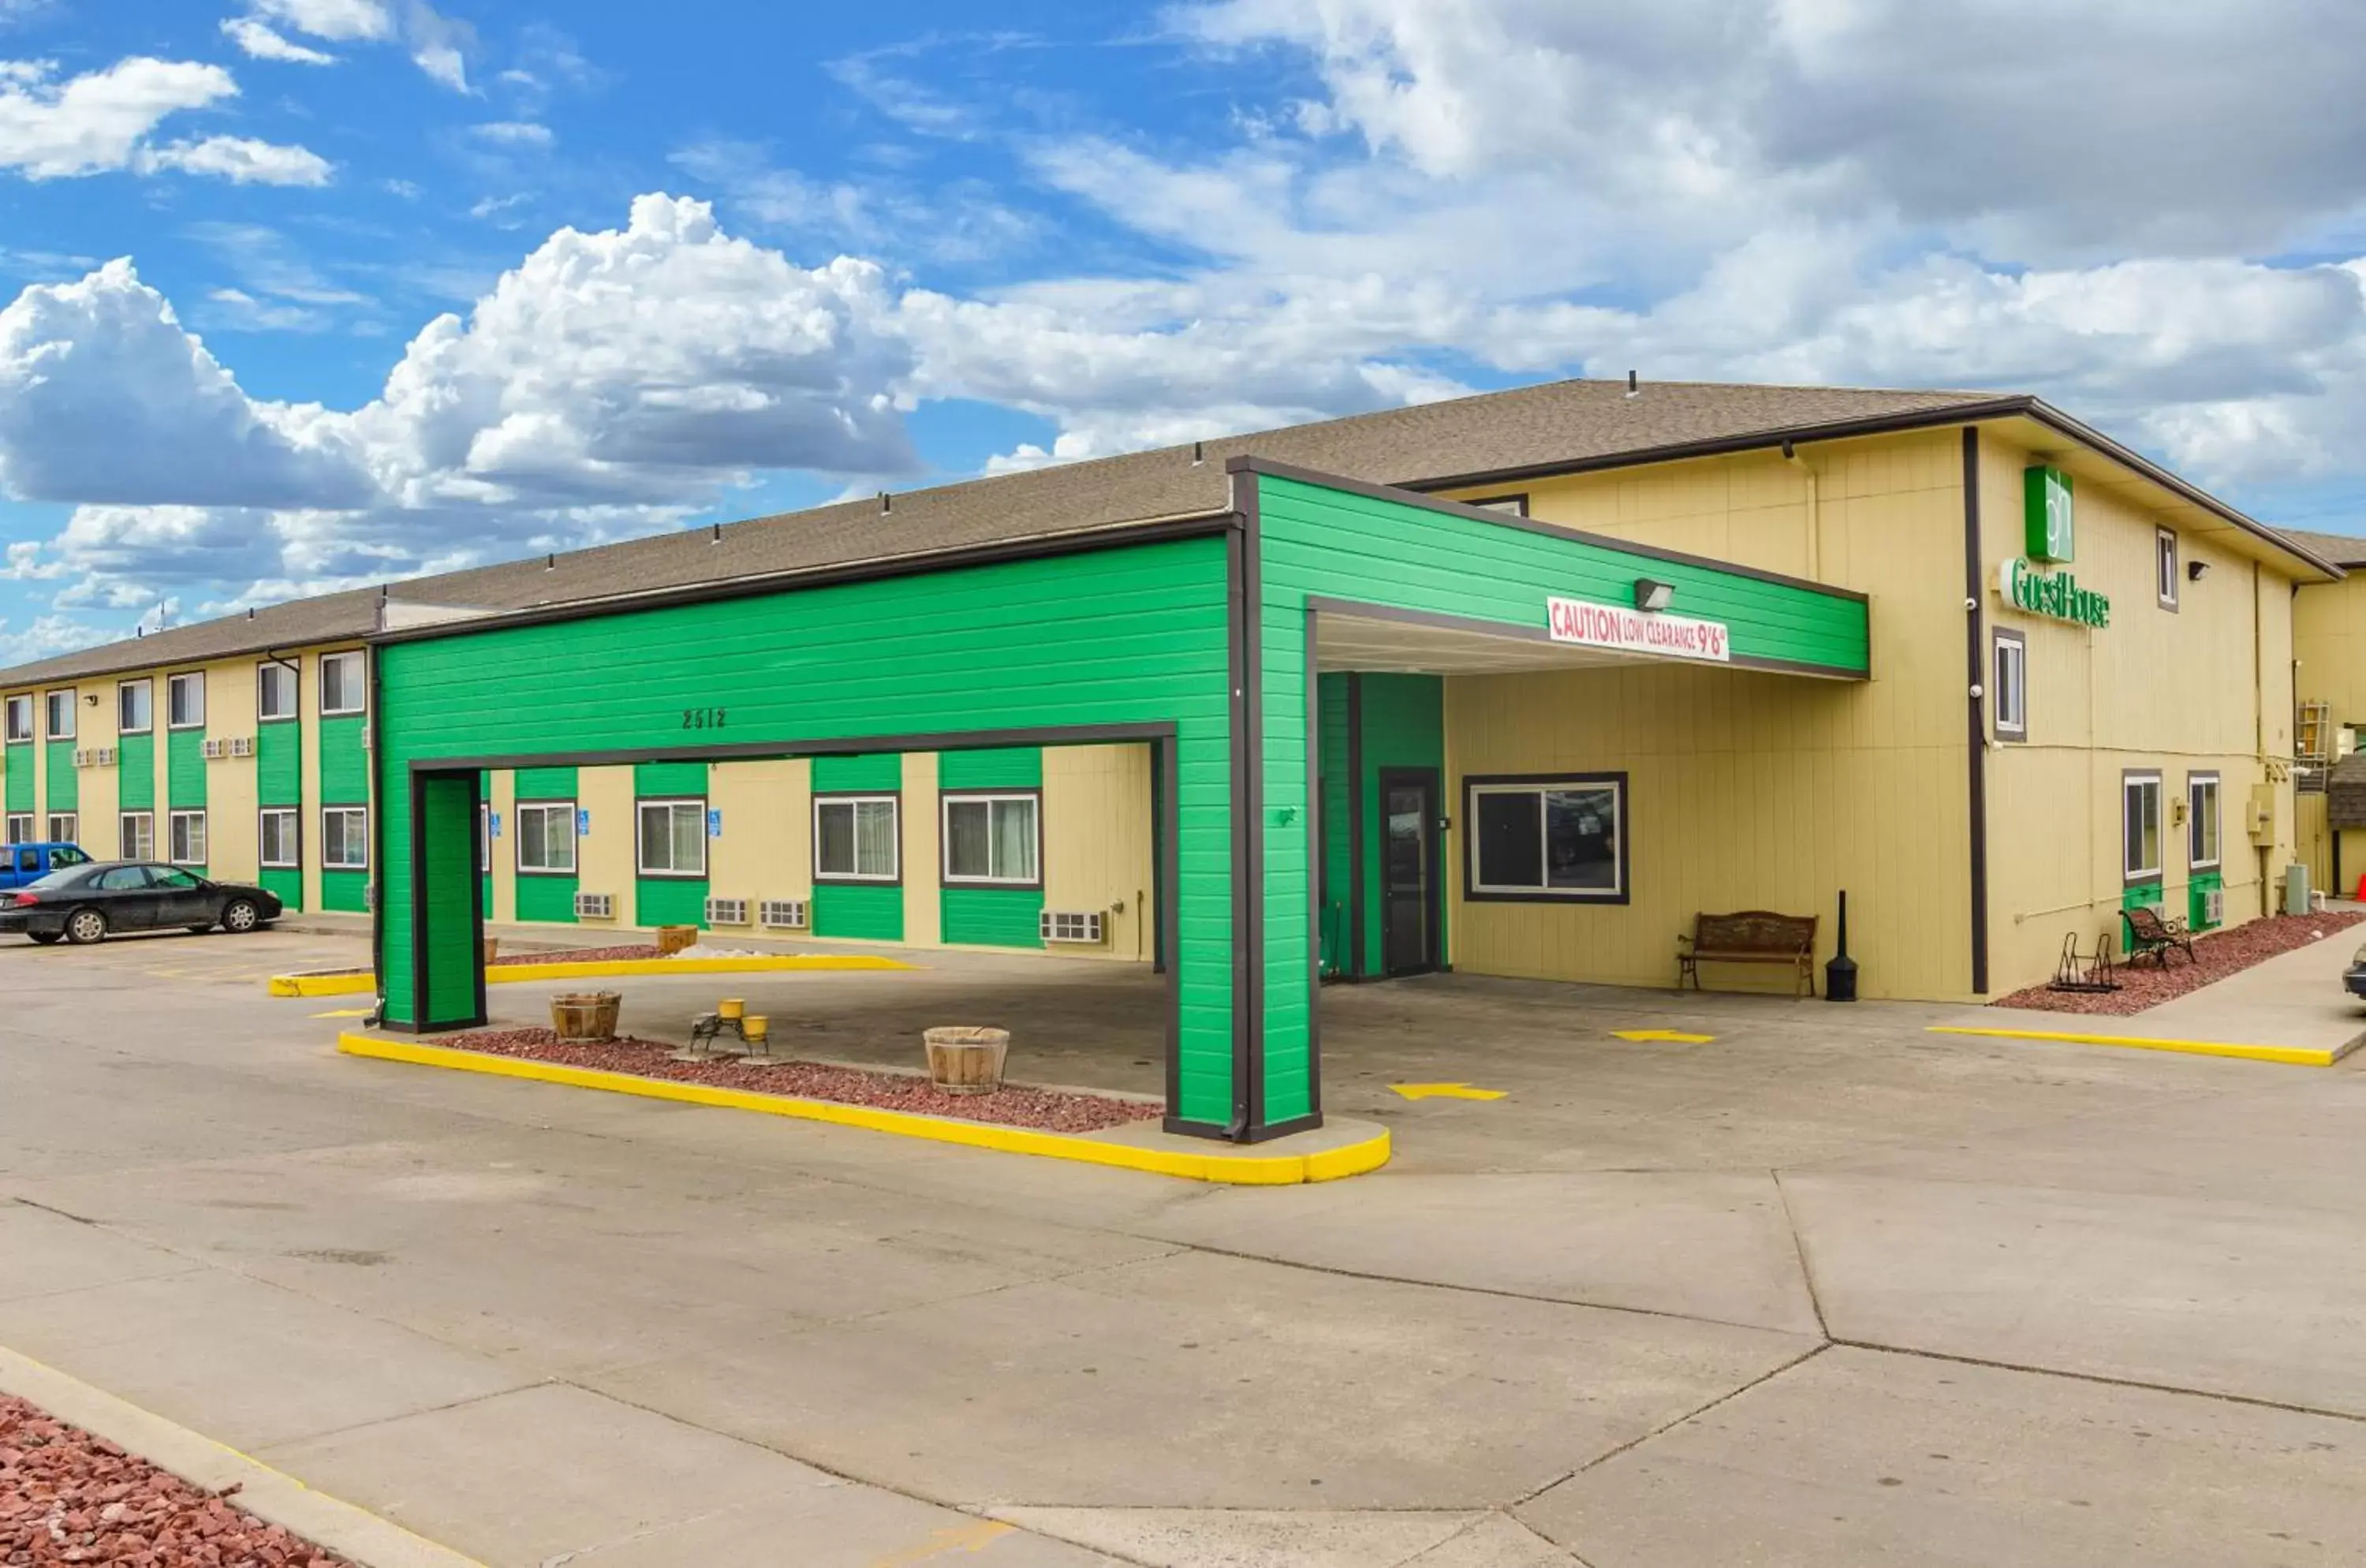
[22,864]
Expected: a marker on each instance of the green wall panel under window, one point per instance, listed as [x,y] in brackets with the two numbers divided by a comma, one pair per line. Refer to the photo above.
[882,771]
[345,890]
[288,884]
[992,917]
[279,763]
[1404,727]
[669,901]
[1008,767]
[185,773]
[64,793]
[135,773]
[871,911]
[344,762]
[651,780]
[17,767]
[546,898]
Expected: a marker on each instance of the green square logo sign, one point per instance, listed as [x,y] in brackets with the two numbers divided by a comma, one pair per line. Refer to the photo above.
[2053,535]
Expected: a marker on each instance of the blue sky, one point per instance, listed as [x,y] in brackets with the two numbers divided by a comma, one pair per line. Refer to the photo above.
[296,294]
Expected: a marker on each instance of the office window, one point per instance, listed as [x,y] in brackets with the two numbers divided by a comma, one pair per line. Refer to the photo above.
[1549,838]
[135,707]
[344,838]
[2164,570]
[857,839]
[993,837]
[342,688]
[2202,821]
[673,838]
[188,831]
[545,838]
[18,829]
[2140,826]
[283,847]
[2009,687]
[60,714]
[65,827]
[20,718]
[139,836]
[184,699]
[275,689]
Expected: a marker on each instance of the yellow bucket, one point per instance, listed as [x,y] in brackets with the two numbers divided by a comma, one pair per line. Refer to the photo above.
[732,1007]
[756,1026]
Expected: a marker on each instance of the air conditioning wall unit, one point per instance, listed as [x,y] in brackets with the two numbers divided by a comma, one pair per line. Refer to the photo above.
[1073,926]
[595,905]
[2214,906]
[216,750]
[242,746]
[727,912]
[95,757]
[783,914]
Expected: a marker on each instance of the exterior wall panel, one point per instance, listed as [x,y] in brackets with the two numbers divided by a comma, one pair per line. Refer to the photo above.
[1097,833]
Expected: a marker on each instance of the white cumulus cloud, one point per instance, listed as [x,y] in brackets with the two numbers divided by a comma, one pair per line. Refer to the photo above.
[241,160]
[100,120]
[341,21]
[260,42]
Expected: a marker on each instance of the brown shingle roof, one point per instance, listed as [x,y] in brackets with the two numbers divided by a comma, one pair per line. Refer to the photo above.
[2341,549]
[1556,424]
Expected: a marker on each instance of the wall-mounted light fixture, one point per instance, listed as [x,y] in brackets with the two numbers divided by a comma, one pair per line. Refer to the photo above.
[2195,571]
[1650,595]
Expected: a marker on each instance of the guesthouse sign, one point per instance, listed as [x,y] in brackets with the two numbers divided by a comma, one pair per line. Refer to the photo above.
[1589,624]
[2054,593]
[2049,526]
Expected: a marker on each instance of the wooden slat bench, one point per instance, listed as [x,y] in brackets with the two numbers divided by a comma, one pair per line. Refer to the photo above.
[1750,936]
[2150,932]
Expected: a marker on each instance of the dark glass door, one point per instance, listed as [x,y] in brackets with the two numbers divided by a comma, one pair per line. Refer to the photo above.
[1409,943]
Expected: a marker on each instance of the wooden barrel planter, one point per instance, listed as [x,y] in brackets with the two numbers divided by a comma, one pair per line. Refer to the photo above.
[673,939]
[965,1060]
[585,1015]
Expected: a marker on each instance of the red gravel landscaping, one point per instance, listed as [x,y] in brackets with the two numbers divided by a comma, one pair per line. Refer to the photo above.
[579,955]
[67,1496]
[1013,1105]
[2216,955]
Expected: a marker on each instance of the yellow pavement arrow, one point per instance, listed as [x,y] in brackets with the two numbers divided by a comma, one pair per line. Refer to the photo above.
[1445,1091]
[1676,1035]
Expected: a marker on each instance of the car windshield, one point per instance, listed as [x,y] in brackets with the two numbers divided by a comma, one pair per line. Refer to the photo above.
[63,858]
[58,879]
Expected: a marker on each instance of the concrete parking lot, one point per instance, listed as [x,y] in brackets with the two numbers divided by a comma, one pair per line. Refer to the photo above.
[1822,1290]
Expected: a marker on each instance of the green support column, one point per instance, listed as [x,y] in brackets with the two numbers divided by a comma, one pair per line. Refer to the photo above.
[440,984]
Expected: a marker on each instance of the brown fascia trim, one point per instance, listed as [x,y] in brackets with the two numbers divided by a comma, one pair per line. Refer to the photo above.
[1083,541]
[13,681]
[2020,405]
[1405,497]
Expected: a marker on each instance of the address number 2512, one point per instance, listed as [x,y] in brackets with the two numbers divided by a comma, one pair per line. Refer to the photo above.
[702,719]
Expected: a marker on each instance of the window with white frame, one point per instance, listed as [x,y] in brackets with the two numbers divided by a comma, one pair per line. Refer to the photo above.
[545,838]
[994,839]
[2008,683]
[189,832]
[275,689]
[858,838]
[19,829]
[2165,569]
[60,714]
[138,836]
[2202,848]
[20,717]
[1549,838]
[65,827]
[2140,826]
[185,700]
[342,688]
[672,838]
[282,836]
[344,838]
[135,707]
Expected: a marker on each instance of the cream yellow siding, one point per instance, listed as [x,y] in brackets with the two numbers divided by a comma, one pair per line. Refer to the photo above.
[504,848]
[923,909]
[2330,646]
[234,829]
[604,858]
[308,725]
[1097,843]
[766,848]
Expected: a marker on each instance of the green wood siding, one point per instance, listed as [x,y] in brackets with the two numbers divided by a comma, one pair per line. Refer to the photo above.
[1318,541]
[448,805]
[344,762]
[992,917]
[347,891]
[545,897]
[135,773]
[879,770]
[16,775]
[653,781]
[1404,727]
[1008,767]
[870,910]
[545,784]
[1331,769]
[185,773]
[1130,635]
[669,901]
[64,793]
[288,883]
[279,763]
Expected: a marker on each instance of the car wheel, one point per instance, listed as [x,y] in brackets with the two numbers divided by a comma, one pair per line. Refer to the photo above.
[240,916]
[85,927]
[45,937]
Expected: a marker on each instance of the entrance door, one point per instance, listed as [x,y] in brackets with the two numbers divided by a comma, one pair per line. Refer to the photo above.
[1409,943]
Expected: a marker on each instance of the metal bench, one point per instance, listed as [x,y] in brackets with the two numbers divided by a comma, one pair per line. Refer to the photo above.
[2154,933]
[1750,936]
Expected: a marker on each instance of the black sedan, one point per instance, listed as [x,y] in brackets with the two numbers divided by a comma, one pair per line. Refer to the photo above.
[88,903]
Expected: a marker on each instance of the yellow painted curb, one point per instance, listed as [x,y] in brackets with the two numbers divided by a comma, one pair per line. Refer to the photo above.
[1215,1164]
[2293,1056]
[599,969]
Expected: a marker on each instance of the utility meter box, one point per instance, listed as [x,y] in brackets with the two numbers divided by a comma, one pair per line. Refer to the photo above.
[2260,818]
